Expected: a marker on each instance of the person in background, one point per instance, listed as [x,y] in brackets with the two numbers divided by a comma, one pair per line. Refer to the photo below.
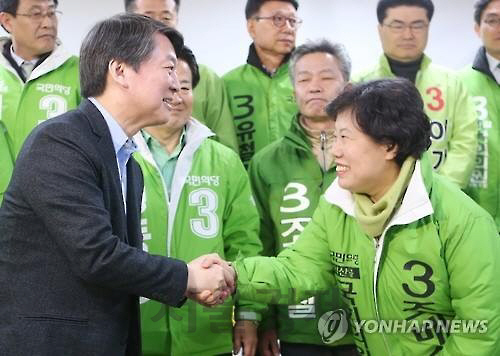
[482,79]
[288,177]
[260,92]
[211,105]
[38,77]
[6,161]
[415,258]
[197,200]
[404,29]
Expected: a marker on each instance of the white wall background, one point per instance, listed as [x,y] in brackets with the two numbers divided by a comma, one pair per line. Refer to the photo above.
[216,29]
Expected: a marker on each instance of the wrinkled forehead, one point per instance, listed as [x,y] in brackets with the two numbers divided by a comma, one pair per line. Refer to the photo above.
[28,4]
[317,62]
[272,7]
[407,14]
[155,6]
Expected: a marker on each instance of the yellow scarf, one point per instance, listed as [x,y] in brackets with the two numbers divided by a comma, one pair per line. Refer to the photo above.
[373,217]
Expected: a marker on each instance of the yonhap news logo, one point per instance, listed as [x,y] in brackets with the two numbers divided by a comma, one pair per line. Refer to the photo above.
[333,326]
[453,326]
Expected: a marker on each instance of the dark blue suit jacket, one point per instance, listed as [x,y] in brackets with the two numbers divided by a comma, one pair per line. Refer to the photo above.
[71,264]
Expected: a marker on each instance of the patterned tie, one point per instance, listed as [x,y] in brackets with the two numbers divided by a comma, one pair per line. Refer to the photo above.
[27,68]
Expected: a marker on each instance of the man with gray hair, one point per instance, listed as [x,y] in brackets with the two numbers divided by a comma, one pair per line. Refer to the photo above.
[71,260]
[288,177]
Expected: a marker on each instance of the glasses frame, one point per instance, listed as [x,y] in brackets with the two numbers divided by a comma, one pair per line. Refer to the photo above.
[492,22]
[400,27]
[38,16]
[293,22]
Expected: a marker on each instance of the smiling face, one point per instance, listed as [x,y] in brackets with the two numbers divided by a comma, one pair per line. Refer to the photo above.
[32,38]
[266,36]
[363,166]
[488,31]
[404,32]
[153,87]
[181,107]
[317,81]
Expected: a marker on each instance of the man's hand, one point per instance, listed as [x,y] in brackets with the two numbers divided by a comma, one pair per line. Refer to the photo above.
[268,343]
[245,334]
[210,280]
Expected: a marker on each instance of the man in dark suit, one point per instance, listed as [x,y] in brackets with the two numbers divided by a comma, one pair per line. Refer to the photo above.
[71,263]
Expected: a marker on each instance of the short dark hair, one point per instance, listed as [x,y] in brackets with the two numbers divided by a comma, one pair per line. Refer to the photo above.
[186,55]
[390,111]
[130,5]
[11,6]
[383,5]
[479,7]
[124,37]
[337,50]
[253,6]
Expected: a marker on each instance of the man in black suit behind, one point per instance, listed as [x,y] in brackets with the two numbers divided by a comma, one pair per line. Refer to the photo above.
[71,264]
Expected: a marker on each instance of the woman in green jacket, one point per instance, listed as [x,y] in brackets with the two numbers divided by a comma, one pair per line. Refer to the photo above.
[415,259]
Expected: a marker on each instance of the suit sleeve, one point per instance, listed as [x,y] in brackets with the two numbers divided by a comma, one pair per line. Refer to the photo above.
[63,185]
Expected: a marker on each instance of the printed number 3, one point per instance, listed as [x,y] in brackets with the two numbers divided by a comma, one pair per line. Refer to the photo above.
[437,98]
[207,225]
[425,278]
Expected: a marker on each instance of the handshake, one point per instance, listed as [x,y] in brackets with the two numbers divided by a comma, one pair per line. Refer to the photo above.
[211,280]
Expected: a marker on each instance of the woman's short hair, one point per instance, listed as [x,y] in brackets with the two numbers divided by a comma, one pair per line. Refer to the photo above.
[390,111]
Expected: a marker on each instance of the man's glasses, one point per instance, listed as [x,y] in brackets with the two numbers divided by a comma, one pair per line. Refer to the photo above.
[279,20]
[492,21]
[400,27]
[38,16]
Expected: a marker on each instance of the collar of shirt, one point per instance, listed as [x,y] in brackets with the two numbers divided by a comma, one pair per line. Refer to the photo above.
[118,136]
[160,155]
[494,66]
[20,60]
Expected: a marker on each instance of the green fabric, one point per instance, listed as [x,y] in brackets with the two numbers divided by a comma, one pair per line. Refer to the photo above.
[211,107]
[6,161]
[451,111]
[165,161]
[373,217]
[430,263]
[210,210]
[52,89]
[484,185]
[287,183]
[261,106]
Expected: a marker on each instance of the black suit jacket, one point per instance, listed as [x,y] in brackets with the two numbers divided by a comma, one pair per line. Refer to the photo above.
[71,264]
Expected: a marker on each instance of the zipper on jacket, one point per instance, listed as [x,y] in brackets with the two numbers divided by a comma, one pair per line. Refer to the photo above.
[379,246]
[322,139]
